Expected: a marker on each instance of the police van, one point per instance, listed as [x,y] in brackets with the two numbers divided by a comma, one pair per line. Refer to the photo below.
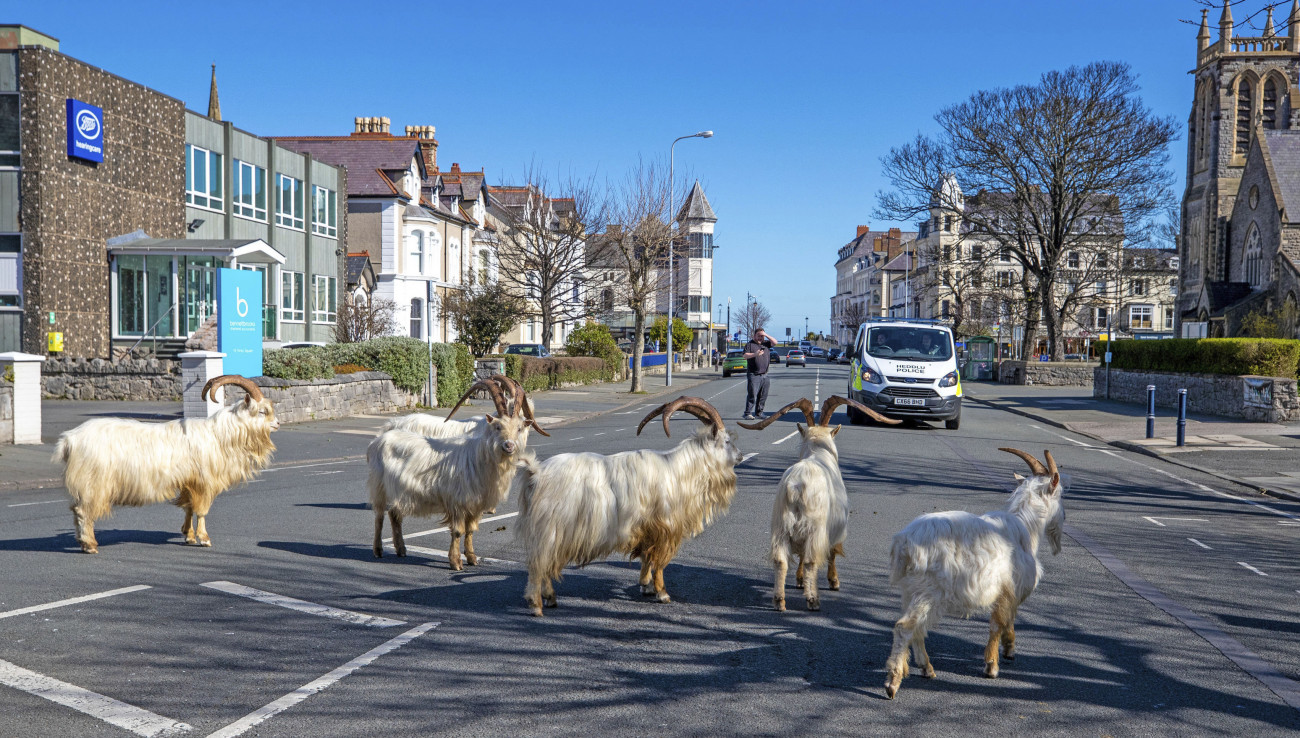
[905,368]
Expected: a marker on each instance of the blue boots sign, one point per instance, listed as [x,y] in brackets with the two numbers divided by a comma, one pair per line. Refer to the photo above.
[85,131]
[239,321]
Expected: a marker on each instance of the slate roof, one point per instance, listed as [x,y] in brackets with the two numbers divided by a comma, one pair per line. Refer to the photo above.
[697,206]
[900,263]
[1223,295]
[365,157]
[356,266]
[1282,149]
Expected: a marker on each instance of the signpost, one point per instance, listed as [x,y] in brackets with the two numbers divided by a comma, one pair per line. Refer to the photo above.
[239,321]
[85,131]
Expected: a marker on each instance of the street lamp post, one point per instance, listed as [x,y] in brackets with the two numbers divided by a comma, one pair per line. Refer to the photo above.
[672,292]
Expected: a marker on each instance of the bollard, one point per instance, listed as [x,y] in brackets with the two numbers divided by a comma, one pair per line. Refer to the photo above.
[1182,417]
[1151,411]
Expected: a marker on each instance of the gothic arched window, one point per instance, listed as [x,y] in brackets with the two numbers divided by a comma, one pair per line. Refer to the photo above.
[1245,113]
[1254,258]
[1270,104]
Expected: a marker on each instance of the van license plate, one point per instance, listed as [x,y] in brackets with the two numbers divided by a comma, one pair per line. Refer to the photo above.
[917,401]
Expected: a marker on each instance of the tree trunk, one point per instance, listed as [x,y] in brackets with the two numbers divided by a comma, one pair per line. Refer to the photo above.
[548,326]
[1030,339]
[638,348]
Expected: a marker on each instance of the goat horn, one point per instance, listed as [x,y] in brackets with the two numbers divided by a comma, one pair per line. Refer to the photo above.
[1051,464]
[1035,465]
[243,383]
[834,401]
[802,403]
[491,388]
[521,401]
[693,405]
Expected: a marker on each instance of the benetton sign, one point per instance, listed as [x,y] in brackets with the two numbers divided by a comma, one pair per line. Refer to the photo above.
[85,131]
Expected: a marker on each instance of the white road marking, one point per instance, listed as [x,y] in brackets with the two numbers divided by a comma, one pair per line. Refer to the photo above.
[358,432]
[619,430]
[311,608]
[323,473]
[747,457]
[444,529]
[298,695]
[579,438]
[114,712]
[72,601]
[1058,435]
[793,433]
[1204,488]
[598,434]
[1248,566]
[42,502]
[729,387]
[1162,525]
[308,466]
[1202,545]
[638,409]
[439,553]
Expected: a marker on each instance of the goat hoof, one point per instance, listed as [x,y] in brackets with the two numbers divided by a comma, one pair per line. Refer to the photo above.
[891,690]
[814,605]
[647,590]
[552,602]
[536,612]
[835,586]
[472,560]
[90,549]
[205,543]
[991,671]
[928,672]
[401,552]
[663,597]
[379,554]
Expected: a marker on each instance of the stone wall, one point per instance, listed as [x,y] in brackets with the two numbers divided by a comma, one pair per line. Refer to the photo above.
[6,412]
[322,399]
[1209,394]
[131,378]
[1051,374]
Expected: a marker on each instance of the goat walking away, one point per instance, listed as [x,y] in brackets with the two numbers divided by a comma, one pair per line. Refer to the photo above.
[958,564]
[459,477]
[579,508]
[115,461]
[810,517]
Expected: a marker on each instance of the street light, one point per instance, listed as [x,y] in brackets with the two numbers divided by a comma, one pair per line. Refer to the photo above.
[672,293]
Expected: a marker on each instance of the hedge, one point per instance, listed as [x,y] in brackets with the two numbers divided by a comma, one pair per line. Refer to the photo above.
[1269,357]
[302,363]
[455,371]
[542,374]
[406,360]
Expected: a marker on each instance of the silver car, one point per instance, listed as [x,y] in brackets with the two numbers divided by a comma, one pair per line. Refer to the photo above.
[795,356]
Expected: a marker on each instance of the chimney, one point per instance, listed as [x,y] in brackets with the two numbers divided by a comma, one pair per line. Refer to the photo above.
[455,168]
[862,230]
[428,145]
[363,126]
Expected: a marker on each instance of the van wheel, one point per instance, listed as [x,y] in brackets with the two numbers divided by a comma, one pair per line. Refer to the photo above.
[953,424]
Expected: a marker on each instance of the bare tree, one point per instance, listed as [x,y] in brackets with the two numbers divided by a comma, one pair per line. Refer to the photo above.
[752,317]
[1075,162]
[482,314]
[361,319]
[543,253]
[854,315]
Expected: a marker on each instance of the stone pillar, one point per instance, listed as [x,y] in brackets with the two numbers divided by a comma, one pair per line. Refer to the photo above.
[27,395]
[197,367]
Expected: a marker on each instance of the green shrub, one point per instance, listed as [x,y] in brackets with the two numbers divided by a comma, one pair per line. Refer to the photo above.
[300,363]
[404,359]
[514,365]
[595,339]
[549,373]
[455,371]
[349,369]
[1269,357]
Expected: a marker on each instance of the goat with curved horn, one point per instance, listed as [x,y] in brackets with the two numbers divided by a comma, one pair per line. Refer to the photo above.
[492,388]
[1035,465]
[243,383]
[520,400]
[804,405]
[693,405]
[834,401]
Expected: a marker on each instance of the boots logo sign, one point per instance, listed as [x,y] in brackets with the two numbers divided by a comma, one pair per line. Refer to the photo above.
[85,131]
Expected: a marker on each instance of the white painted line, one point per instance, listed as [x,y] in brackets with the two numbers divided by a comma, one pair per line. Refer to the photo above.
[598,434]
[1202,545]
[311,608]
[1248,566]
[747,457]
[619,430]
[358,432]
[1204,488]
[579,438]
[114,712]
[729,387]
[444,528]
[1064,438]
[323,473]
[43,502]
[639,409]
[793,433]
[72,601]
[438,553]
[323,463]
[298,695]
[1162,525]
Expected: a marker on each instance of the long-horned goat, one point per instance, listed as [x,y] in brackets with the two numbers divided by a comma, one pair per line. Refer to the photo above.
[437,427]
[959,564]
[459,477]
[115,461]
[810,517]
[579,508]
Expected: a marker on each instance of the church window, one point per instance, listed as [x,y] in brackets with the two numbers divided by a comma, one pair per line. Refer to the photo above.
[1253,197]
[1254,258]
[1245,111]
[1270,104]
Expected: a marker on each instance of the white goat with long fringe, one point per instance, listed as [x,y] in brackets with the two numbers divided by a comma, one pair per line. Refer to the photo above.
[579,508]
[434,426]
[459,477]
[958,564]
[810,516]
[115,461]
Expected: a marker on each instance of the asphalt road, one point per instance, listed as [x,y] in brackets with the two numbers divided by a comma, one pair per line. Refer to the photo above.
[1171,609]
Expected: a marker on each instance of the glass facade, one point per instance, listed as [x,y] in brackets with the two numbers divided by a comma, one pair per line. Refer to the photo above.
[288,202]
[248,191]
[202,178]
[324,212]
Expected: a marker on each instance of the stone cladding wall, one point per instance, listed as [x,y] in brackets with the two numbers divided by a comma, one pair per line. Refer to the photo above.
[322,399]
[130,378]
[1209,394]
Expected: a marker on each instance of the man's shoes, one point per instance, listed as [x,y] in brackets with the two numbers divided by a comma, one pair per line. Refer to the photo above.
[750,416]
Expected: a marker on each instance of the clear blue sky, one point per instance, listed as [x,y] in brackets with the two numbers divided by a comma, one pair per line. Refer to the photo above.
[804,97]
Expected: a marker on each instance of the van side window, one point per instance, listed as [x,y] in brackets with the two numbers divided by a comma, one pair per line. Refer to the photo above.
[857,343]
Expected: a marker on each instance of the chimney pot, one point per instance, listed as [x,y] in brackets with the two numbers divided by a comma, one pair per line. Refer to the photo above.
[863,229]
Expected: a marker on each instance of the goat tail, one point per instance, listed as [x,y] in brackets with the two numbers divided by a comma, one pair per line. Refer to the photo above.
[62,451]
[904,559]
[522,486]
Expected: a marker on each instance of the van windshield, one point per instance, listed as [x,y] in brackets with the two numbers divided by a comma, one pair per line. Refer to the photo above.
[909,342]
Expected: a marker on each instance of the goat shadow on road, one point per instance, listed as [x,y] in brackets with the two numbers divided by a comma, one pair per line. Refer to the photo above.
[336,505]
[107,538]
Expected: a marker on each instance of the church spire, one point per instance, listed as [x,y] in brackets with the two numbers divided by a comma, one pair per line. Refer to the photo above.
[1225,23]
[214,105]
[1269,31]
[1293,24]
[1203,38]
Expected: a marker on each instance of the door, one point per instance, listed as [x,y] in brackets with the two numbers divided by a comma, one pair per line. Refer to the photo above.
[200,291]
[269,311]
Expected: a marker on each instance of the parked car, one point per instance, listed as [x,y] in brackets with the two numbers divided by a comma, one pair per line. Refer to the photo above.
[775,354]
[735,362]
[846,356]
[833,355]
[817,352]
[795,357]
[528,349]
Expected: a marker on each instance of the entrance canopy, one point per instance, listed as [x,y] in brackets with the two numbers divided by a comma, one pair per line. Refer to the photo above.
[232,251]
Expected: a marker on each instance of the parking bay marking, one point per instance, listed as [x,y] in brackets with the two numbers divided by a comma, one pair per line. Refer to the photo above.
[239,727]
[1248,566]
[1202,545]
[72,601]
[311,608]
[115,712]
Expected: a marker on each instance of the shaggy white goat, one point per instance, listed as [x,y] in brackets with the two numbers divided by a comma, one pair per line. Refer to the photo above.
[437,427]
[810,517]
[114,461]
[578,508]
[958,564]
[459,477]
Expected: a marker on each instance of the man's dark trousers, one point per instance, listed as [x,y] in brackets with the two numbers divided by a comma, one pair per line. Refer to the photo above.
[755,393]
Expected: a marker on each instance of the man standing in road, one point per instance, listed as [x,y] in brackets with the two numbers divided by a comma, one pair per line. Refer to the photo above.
[757,352]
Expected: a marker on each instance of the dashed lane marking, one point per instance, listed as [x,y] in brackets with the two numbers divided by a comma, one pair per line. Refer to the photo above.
[1204,488]
[783,440]
[747,457]
[1162,525]
[1202,545]
[323,473]
[1058,435]
[42,502]
[359,432]
[579,438]
[439,553]
[261,714]
[729,387]
[72,601]
[352,460]
[114,712]
[311,608]
[444,529]
[1248,566]
[598,434]
[637,410]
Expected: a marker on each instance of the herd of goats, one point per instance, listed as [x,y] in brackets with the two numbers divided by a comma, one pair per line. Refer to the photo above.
[576,508]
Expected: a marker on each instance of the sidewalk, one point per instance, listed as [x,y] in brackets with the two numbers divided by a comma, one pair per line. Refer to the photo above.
[1262,456]
[29,466]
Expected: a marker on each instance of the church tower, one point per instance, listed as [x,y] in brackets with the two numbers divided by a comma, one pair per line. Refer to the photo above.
[1242,84]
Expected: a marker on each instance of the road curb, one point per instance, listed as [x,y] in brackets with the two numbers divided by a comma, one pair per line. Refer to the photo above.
[1140,449]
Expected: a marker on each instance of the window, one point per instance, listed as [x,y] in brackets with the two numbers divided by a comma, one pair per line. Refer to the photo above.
[144,295]
[1101,286]
[1254,258]
[1004,253]
[1139,317]
[202,178]
[1173,287]
[416,241]
[701,245]
[697,304]
[577,291]
[417,318]
[1072,286]
[947,252]
[292,296]
[947,223]
[1245,114]
[1169,318]
[324,212]
[1139,262]
[1099,316]
[1173,263]
[11,270]
[935,223]
[1006,279]
[1102,261]
[288,202]
[1137,287]
[248,191]
[977,251]
[1270,104]
[1072,260]
[945,309]
[324,304]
